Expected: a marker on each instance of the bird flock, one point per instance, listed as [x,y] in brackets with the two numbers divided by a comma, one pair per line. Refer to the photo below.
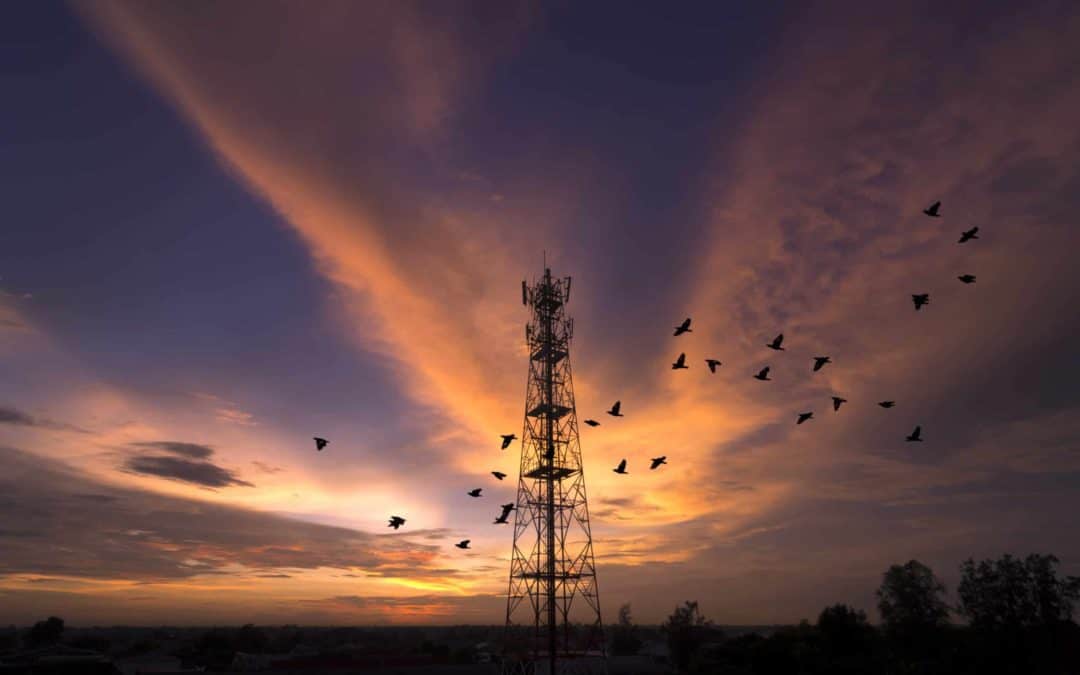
[777,345]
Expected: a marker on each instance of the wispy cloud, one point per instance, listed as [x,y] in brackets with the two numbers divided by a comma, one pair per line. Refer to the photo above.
[115,533]
[189,450]
[227,411]
[16,417]
[266,468]
[188,463]
[200,473]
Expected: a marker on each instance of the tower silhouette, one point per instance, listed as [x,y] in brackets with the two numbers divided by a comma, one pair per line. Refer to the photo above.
[553,606]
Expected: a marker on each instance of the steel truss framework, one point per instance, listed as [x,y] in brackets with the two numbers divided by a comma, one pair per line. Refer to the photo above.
[553,620]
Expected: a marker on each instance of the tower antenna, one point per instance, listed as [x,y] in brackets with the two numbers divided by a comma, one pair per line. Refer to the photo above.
[551,563]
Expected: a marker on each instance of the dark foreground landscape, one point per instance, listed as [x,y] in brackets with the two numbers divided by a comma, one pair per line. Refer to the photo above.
[1016,617]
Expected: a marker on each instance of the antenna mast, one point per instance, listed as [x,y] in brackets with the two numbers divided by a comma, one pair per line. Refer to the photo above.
[552,561]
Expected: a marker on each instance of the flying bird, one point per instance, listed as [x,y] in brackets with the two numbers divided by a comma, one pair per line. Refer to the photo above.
[621,468]
[684,327]
[507,440]
[396,522]
[321,443]
[712,363]
[968,235]
[932,210]
[820,361]
[837,402]
[506,510]
[763,374]
[887,404]
[803,417]
[915,435]
[592,423]
[498,474]
[464,543]
[967,278]
[657,461]
[614,412]
[680,362]
[475,492]
[775,344]
[920,300]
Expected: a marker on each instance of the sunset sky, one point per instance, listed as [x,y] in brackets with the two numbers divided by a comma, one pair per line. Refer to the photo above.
[229,227]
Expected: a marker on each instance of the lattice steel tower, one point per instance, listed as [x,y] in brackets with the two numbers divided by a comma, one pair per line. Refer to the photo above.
[553,606]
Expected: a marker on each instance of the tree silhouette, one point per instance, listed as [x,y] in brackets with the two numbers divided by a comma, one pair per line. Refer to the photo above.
[842,625]
[686,630]
[624,639]
[848,641]
[1013,594]
[251,639]
[1020,613]
[47,632]
[911,600]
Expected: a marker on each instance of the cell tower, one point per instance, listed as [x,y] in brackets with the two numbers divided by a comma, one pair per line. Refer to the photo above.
[553,606]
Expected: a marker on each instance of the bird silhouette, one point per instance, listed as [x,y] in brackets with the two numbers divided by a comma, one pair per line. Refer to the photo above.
[712,363]
[763,374]
[920,300]
[820,361]
[506,510]
[507,440]
[475,492]
[680,363]
[684,327]
[621,468]
[657,461]
[886,404]
[775,344]
[498,474]
[614,412]
[464,543]
[837,402]
[932,210]
[803,417]
[321,443]
[396,522]
[968,235]
[967,278]
[916,435]
[592,423]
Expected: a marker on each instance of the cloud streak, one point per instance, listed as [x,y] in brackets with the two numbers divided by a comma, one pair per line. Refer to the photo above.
[187,450]
[118,533]
[16,417]
[187,462]
[200,473]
